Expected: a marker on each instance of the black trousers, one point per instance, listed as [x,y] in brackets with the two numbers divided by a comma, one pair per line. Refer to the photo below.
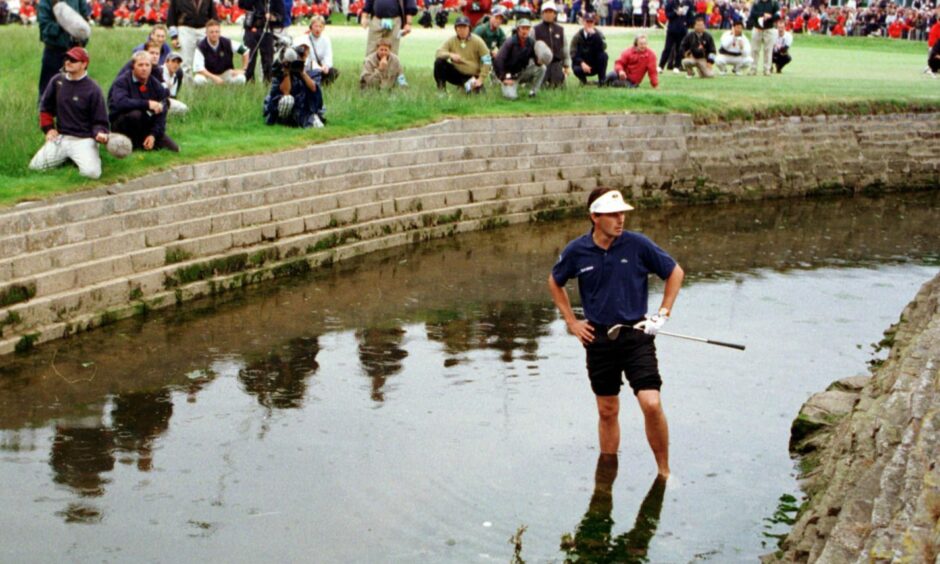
[137,124]
[934,64]
[598,69]
[671,57]
[260,47]
[53,58]
[781,61]
[445,73]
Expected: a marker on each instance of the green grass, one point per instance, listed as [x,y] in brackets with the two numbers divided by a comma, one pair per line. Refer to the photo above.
[829,75]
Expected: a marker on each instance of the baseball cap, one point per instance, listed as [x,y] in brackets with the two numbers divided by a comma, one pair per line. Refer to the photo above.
[462,20]
[77,54]
[498,10]
[610,202]
[523,22]
[549,6]
[174,55]
[590,17]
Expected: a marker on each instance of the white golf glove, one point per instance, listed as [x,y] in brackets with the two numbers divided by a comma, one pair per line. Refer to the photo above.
[652,324]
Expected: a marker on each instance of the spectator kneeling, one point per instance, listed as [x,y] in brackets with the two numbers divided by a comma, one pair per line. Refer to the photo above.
[735,50]
[295,99]
[516,63]
[382,69]
[698,50]
[138,105]
[589,52]
[212,62]
[463,60]
[635,63]
[73,116]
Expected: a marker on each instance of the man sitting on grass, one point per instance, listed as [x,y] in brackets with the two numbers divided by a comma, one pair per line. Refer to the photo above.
[138,105]
[295,98]
[735,50]
[635,63]
[463,60]
[589,52]
[73,116]
[698,51]
[515,64]
[212,61]
[382,69]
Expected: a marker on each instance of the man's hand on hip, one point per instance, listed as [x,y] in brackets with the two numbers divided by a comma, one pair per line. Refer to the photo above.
[582,330]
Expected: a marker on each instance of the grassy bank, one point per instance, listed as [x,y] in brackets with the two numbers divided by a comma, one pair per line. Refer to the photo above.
[828,75]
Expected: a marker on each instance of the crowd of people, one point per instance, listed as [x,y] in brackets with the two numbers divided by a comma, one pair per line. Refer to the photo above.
[189,50]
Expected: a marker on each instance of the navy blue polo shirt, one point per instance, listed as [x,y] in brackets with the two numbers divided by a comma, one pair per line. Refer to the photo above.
[613,283]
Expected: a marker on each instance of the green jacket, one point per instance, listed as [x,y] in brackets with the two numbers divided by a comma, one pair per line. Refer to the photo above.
[493,39]
[475,58]
[50,32]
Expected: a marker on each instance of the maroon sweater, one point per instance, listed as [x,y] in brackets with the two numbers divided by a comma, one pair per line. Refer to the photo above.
[73,107]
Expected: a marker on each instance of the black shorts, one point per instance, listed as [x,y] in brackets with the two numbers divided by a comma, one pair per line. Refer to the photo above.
[633,354]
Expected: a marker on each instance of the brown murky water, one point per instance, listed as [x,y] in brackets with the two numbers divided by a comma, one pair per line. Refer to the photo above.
[425,403]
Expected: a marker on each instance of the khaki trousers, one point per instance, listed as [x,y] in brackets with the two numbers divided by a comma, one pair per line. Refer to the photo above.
[762,38]
[704,71]
[376,32]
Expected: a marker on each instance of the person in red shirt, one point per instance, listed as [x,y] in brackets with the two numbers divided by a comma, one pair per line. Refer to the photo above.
[27,13]
[812,26]
[634,63]
[714,21]
[475,10]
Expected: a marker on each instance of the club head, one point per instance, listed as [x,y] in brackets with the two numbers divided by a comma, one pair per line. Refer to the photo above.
[614,332]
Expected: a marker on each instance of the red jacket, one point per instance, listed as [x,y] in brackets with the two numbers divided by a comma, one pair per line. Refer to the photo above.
[636,65]
[934,34]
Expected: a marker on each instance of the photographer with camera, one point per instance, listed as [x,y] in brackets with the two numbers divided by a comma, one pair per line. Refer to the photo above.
[463,60]
[389,20]
[295,99]
[262,19]
[213,64]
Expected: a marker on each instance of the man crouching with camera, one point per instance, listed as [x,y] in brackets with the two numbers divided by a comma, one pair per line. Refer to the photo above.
[296,99]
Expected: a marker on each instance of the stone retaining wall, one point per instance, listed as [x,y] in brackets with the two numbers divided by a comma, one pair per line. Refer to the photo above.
[77,262]
[874,477]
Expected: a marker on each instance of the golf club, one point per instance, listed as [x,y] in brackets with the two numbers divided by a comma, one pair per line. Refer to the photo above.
[614,332]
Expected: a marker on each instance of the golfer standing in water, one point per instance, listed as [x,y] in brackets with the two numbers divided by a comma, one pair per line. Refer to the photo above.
[612,267]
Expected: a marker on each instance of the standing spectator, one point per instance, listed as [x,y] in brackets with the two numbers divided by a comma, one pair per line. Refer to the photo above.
[491,30]
[27,12]
[698,51]
[762,20]
[138,104]
[73,118]
[463,60]
[553,35]
[261,19]
[782,43]
[515,63]
[615,11]
[382,68]
[474,10]
[734,50]
[589,52]
[157,36]
[635,63]
[295,99]
[56,40]
[189,18]
[678,13]
[387,19]
[320,58]
[212,63]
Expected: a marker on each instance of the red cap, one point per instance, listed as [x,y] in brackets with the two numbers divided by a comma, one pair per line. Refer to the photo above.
[77,54]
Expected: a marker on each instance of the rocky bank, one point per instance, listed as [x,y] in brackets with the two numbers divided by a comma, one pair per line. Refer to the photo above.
[870,454]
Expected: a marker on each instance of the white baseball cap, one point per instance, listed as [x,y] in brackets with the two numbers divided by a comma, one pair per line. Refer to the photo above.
[549,6]
[610,202]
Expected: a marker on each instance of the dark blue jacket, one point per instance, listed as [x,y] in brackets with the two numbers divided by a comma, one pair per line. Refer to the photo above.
[679,22]
[50,32]
[127,95]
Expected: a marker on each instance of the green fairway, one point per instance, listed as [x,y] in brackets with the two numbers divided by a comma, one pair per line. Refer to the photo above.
[828,74]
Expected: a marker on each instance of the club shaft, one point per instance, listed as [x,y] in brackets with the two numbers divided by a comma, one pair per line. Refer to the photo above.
[702,340]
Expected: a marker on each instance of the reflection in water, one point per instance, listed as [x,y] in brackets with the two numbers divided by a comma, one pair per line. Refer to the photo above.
[380,354]
[138,419]
[80,454]
[592,541]
[279,380]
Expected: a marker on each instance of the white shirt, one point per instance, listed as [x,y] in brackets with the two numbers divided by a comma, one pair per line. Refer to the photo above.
[199,60]
[785,40]
[320,48]
[739,46]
